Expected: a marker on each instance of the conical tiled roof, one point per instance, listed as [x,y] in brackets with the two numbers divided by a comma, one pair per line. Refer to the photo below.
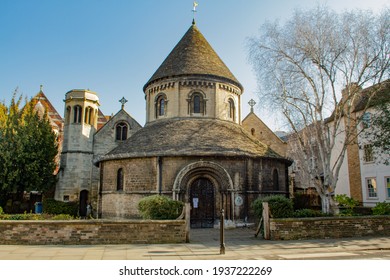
[193,55]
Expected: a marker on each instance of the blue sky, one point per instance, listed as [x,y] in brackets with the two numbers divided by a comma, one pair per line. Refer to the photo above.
[113,47]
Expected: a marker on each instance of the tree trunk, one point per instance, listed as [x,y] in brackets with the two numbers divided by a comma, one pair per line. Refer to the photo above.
[329,205]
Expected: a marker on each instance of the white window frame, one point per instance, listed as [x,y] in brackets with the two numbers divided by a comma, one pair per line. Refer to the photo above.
[373,182]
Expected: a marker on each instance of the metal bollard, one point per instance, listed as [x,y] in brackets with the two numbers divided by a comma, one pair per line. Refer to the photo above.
[222,233]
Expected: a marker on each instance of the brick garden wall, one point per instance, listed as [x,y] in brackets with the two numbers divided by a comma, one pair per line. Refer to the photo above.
[87,232]
[329,227]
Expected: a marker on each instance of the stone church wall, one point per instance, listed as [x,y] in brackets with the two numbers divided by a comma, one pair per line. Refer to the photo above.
[250,179]
[139,181]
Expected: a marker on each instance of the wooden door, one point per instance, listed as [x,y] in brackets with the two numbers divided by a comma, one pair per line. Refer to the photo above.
[202,198]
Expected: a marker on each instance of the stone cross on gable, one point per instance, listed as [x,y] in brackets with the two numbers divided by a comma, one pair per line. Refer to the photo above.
[123,101]
[252,103]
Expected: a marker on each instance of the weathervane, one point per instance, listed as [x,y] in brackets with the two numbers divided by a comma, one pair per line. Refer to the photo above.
[252,103]
[195,4]
[123,101]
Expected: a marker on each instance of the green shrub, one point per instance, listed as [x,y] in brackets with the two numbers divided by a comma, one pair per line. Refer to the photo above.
[159,207]
[54,207]
[280,206]
[1,211]
[347,203]
[381,208]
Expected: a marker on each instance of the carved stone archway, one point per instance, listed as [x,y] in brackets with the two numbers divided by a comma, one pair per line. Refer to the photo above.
[216,174]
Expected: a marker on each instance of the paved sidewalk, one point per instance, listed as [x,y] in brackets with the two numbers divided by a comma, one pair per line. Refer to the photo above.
[205,245]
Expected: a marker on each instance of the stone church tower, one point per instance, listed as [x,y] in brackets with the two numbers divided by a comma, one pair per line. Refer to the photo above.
[81,119]
[193,82]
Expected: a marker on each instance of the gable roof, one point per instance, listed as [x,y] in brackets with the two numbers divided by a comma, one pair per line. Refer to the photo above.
[52,113]
[193,55]
[253,115]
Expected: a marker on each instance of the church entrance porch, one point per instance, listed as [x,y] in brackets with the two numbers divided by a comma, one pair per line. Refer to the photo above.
[202,199]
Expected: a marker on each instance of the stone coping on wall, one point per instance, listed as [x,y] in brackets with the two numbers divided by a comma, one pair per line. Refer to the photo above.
[329,227]
[99,231]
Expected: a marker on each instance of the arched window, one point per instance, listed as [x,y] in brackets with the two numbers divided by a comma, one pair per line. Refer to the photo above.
[161,106]
[275,179]
[231,109]
[253,131]
[88,117]
[77,112]
[119,180]
[196,104]
[121,131]
[67,117]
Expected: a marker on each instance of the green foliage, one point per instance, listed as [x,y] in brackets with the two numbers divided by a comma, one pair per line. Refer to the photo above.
[31,216]
[1,211]
[54,207]
[159,207]
[346,202]
[381,208]
[280,206]
[28,148]
[306,213]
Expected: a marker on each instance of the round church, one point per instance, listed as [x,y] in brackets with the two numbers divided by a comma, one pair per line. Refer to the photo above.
[193,147]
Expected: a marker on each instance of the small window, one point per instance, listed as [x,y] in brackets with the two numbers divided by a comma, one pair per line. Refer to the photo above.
[77,112]
[88,117]
[161,106]
[121,131]
[119,180]
[371,188]
[66,198]
[253,131]
[368,153]
[387,182]
[196,103]
[231,109]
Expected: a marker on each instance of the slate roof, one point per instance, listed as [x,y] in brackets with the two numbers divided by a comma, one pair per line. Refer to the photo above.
[191,137]
[193,55]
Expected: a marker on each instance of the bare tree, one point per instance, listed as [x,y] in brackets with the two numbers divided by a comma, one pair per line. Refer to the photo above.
[302,66]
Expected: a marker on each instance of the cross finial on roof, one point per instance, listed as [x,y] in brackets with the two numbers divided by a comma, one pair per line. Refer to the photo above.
[195,4]
[123,101]
[252,103]
[40,87]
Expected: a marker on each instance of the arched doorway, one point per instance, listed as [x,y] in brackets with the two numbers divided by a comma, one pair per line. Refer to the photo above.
[202,199]
[83,203]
